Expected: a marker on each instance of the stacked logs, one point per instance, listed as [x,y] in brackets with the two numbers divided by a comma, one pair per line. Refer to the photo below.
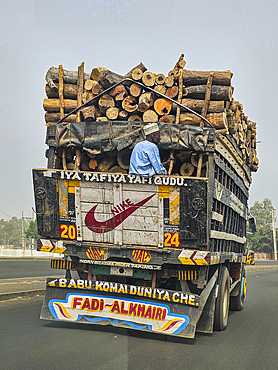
[113,161]
[130,101]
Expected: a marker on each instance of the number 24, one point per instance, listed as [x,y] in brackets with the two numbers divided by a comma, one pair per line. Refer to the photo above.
[171,239]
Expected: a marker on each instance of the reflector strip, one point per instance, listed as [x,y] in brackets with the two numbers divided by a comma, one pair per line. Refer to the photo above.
[61,264]
[188,275]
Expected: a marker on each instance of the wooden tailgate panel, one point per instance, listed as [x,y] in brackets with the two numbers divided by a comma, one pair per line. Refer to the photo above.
[120,214]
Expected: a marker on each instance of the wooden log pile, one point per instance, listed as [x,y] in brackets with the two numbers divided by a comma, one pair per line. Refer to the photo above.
[129,101]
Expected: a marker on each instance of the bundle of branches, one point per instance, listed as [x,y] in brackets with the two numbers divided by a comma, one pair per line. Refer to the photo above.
[206,93]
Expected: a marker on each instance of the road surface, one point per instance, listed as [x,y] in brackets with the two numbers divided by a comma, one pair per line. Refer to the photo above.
[18,268]
[250,341]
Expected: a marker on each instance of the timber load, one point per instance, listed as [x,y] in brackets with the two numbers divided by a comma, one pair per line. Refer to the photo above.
[181,97]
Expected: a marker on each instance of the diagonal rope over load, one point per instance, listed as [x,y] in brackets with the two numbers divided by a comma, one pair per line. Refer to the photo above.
[142,85]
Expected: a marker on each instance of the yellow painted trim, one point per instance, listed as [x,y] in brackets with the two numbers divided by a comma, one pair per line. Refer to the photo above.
[163,191]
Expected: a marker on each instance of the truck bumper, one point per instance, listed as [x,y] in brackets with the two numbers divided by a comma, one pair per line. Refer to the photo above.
[132,307]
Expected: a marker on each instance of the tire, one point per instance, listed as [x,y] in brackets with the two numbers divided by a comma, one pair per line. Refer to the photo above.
[221,312]
[236,303]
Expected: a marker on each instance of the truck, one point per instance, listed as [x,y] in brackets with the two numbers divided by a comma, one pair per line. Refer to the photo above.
[162,254]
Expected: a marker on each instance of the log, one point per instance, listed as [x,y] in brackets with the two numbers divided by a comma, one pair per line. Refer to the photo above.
[160,79]
[197,104]
[162,106]
[96,88]
[161,89]
[55,117]
[88,85]
[104,119]
[123,114]
[148,79]
[123,158]
[117,169]
[70,91]
[146,101]
[112,113]
[130,104]
[186,169]
[134,118]
[150,116]
[87,96]
[173,73]
[169,81]
[53,105]
[135,90]
[167,118]
[106,163]
[84,166]
[112,153]
[108,78]
[217,92]
[201,77]
[204,113]
[172,92]
[140,66]
[218,120]
[195,160]
[118,92]
[137,74]
[69,77]
[105,101]
[92,164]
[80,85]
[95,74]
[90,112]
[70,166]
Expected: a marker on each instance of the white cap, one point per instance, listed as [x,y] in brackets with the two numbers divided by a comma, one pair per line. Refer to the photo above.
[150,128]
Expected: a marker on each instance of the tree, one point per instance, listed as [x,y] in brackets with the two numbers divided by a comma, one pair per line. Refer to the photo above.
[11,231]
[32,232]
[262,240]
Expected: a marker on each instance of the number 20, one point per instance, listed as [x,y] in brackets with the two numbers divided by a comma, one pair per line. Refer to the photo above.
[68,232]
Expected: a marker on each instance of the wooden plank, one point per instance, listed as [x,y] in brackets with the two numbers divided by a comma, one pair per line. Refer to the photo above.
[89,236]
[226,236]
[140,238]
[96,185]
[97,195]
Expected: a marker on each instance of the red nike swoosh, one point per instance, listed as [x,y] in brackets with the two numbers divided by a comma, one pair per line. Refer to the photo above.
[108,225]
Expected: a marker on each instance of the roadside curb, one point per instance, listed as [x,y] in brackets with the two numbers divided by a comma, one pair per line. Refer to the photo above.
[24,294]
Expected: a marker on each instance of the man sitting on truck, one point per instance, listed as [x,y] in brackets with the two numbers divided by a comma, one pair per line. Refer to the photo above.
[145,159]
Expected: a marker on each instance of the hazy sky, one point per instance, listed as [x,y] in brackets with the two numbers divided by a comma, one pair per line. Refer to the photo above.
[241,36]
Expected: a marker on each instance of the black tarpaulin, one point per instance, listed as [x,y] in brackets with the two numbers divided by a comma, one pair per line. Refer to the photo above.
[107,136]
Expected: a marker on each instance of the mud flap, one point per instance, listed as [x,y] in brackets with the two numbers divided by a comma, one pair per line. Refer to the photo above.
[207,298]
[170,313]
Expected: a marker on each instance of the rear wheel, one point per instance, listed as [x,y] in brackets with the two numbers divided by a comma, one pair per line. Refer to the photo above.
[222,301]
[236,303]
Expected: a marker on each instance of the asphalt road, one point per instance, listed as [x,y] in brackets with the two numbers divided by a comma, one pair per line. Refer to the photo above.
[250,341]
[18,268]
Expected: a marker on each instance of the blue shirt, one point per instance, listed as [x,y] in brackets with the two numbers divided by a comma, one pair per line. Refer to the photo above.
[145,160]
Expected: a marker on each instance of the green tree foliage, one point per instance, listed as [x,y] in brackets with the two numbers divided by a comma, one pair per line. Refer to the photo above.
[32,232]
[11,232]
[262,240]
